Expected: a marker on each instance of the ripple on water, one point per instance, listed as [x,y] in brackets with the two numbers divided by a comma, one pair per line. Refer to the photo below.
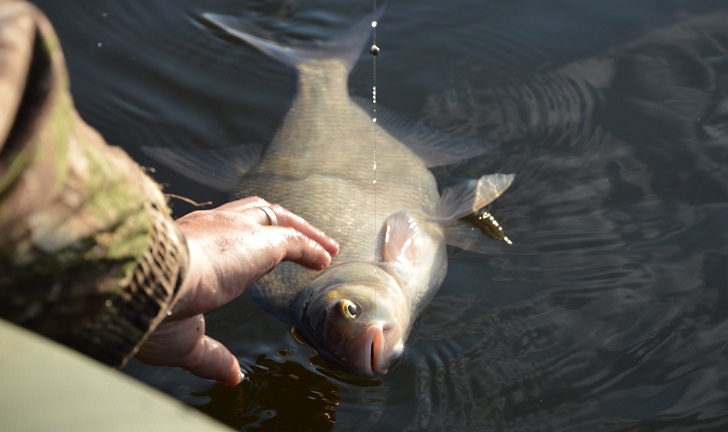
[277,394]
[608,313]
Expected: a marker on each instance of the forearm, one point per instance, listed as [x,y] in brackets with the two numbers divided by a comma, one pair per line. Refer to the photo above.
[89,254]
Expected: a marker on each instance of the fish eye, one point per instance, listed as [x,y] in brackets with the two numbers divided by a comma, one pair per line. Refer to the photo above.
[348,308]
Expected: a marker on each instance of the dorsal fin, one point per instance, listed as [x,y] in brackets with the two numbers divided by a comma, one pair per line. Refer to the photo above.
[433,146]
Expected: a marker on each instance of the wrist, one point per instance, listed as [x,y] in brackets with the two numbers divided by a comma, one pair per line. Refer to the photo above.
[189,287]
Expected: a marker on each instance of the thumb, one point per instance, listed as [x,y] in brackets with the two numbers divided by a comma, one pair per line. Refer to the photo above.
[184,344]
[211,359]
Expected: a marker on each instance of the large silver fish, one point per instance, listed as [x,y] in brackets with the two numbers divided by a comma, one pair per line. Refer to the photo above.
[331,164]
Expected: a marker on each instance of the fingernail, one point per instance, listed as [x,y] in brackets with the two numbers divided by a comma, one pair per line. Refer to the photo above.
[321,265]
[335,246]
[241,375]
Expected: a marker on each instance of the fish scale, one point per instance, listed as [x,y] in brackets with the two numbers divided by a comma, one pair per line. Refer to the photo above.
[346,211]
[392,224]
[326,143]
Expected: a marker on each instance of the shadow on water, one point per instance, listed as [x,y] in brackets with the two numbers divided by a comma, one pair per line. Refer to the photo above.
[609,312]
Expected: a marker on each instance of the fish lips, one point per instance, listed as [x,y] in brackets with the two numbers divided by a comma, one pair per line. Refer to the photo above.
[379,348]
[365,343]
[369,355]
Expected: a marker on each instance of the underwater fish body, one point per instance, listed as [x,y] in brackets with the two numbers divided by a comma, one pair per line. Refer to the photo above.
[330,163]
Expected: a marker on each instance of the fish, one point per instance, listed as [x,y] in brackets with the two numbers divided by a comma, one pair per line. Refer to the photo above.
[365,184]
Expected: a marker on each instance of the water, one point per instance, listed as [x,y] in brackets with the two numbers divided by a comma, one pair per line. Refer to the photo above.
[609,312]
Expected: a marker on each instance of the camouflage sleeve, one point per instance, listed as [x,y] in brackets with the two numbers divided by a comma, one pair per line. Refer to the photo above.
[89,254]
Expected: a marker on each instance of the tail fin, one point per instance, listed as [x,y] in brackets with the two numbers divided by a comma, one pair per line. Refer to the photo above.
[346,46]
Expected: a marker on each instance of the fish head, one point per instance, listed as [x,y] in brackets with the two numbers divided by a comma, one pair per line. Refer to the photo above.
[354,318]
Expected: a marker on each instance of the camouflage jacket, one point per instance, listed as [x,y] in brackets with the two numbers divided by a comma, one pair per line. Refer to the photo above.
[89,254]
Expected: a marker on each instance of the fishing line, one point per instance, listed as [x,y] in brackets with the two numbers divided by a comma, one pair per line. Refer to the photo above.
[374,51]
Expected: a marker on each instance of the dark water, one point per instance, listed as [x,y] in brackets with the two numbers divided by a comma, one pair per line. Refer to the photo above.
[609,312]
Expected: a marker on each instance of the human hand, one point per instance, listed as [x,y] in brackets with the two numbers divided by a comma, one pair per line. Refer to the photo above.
[231,247]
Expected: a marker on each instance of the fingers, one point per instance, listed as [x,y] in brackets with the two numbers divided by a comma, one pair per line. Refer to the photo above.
[287,218]
[234,245]
[272,218]
[183,343]
[282,217]
[295,246]
[212,360]
[301,242]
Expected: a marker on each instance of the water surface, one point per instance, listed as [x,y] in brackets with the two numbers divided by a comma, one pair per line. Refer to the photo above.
[609,312]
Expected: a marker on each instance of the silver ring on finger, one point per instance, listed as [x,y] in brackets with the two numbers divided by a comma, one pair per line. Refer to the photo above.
[271,215]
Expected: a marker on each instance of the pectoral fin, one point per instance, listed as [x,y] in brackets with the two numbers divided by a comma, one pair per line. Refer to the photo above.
[400,239]
[219,169]
[469,196]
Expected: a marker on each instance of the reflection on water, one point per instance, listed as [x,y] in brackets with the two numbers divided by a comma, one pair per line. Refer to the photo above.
[276,395]
[610,310]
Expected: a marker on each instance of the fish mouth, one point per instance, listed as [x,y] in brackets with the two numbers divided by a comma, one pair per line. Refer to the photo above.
[374,362]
